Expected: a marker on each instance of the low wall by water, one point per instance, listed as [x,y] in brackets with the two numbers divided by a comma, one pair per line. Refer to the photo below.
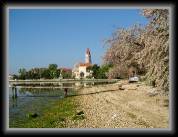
[60,83]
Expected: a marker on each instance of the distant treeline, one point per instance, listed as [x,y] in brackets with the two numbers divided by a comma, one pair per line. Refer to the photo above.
[51,72]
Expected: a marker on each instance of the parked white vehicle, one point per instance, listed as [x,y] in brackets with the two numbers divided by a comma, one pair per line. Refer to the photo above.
[133,79]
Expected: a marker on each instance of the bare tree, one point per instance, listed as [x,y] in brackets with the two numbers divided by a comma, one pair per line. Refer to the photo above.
[146,47]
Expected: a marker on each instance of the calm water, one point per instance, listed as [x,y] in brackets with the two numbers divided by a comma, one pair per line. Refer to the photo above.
[31,100]
[24,101]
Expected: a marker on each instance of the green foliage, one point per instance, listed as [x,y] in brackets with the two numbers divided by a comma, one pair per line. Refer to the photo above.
[103,70]
[99,72]
[52,66]
[95,69]
[66,75]
[22,73]
[15,76]
[36,73]
[45,74]
[53,72]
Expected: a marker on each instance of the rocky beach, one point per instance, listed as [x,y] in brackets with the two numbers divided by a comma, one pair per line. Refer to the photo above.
[121,105]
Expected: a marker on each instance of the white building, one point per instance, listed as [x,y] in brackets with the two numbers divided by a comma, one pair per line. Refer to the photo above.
[80,70]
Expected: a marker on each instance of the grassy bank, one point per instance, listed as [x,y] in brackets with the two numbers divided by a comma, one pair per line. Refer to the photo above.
[56,115]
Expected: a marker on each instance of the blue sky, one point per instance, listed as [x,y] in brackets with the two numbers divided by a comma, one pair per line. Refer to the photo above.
[39,37]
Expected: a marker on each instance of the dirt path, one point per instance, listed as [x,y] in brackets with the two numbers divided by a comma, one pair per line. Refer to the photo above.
[131,106]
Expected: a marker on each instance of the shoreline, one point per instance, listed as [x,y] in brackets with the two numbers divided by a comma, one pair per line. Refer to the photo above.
[118,105]
[122,105]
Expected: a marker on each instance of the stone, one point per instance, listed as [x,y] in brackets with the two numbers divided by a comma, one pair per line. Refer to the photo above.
[152,92]
[80,113]
[121,88]
[32,115]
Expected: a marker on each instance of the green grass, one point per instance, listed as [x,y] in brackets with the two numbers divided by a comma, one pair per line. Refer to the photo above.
[54,116]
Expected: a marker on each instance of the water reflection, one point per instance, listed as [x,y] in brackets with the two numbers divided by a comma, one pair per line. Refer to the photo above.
[33,92]
[14,102]
[24,101]
[18,95]
[46,84]
[63,84]
[14,92]
[14,97]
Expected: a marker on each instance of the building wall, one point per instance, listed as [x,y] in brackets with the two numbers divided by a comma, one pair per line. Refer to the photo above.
[80,70]
[83,69]
[83,66]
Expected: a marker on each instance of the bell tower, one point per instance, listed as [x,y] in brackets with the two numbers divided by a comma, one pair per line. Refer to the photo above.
[88,56]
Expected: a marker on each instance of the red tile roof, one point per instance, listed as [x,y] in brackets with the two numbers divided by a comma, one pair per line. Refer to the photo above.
[85,64]
[65,69]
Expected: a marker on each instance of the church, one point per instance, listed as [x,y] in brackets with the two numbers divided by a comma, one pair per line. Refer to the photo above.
[80,70]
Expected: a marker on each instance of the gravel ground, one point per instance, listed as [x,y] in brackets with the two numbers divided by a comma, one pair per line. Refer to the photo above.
[121,105]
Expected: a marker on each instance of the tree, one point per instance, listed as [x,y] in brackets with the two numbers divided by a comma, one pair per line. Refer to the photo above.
[124,45]
[53,72]
[103,70]
[145,47]
[15,76]
[66,74]
[95,69]
[100,72]
[156,52]
[45,73]
[22,73]
[52,66]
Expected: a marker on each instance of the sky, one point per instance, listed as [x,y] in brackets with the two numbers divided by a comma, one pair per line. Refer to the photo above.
[39,37]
